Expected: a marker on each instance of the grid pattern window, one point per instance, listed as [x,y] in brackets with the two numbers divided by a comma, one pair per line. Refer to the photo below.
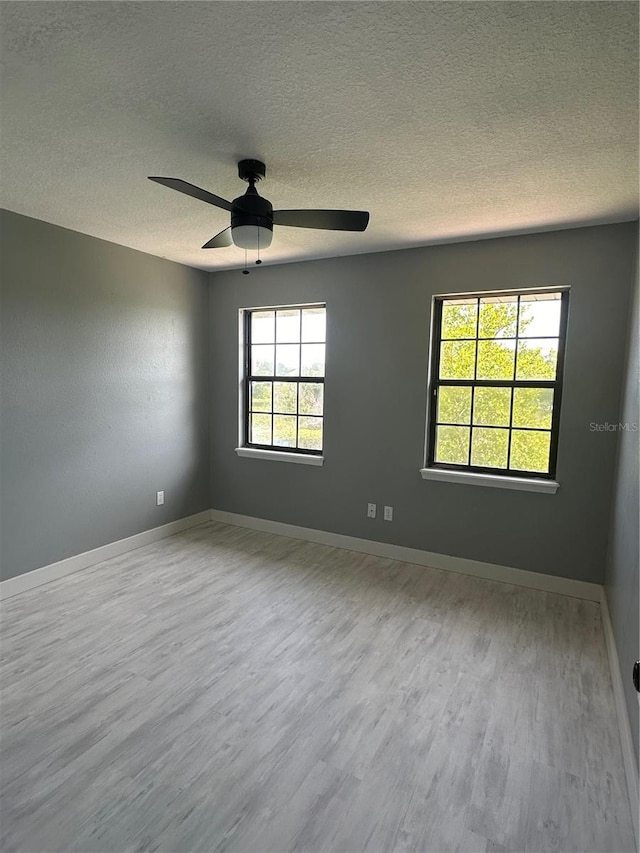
[284,378]
[496,382]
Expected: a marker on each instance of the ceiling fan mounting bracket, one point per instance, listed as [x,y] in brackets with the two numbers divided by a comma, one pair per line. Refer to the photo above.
[251,171]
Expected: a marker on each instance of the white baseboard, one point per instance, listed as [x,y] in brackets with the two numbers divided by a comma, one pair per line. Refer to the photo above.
[29,580]
[489,571]
[624,725]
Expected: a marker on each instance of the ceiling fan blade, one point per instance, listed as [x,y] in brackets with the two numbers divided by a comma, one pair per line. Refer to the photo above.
[331,220]
[220,240]
[196,192]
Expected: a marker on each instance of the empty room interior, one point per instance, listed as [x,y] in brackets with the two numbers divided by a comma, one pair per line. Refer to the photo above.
[319,427]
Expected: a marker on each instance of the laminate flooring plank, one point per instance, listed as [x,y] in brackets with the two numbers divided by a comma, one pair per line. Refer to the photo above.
[234,691]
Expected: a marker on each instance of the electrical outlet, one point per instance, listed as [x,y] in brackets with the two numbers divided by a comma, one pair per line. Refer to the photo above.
[159,498]
[388,513]
[371,510]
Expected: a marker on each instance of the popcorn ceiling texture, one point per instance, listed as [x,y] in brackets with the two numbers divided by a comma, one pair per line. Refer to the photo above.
[446,120]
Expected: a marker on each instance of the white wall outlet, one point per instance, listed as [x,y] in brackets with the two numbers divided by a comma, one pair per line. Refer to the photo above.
[388,513]
[159,498]
[371,510]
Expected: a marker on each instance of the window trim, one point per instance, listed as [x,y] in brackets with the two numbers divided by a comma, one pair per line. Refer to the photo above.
[271,451]
[498,477]
[471,478]
[279,456]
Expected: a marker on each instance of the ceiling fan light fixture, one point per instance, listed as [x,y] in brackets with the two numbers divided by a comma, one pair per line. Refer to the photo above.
[251,236]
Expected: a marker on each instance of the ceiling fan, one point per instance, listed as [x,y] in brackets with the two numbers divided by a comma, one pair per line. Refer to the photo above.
[253,217]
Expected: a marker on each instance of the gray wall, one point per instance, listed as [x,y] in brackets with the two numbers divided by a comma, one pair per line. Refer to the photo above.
[378,309]
[106,398]
[104,392]
[622,567]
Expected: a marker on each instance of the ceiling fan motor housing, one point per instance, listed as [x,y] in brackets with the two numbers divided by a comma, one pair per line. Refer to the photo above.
[252,209]
[252,220]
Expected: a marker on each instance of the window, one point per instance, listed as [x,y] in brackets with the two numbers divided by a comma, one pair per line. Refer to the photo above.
[284,378]
[496,382]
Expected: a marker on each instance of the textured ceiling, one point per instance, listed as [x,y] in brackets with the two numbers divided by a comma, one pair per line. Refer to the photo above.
[447,120]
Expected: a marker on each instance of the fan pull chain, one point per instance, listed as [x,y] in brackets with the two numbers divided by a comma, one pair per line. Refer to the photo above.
[245,271]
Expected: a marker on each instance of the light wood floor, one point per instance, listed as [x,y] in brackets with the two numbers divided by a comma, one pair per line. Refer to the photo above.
[228,690]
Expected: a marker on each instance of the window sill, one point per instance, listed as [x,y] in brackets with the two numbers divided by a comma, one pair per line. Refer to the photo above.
[494,481]
[279,456]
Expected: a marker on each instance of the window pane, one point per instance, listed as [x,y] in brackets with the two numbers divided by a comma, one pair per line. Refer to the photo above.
[313,324]
[261,396]
[288,326]
[491,406]
[452,445]
[454,405]
[262,360]
[489,447]
[284,430]
[537,359]
[285,397]
[310,433]
[533,407]
[262,327]
[539,315]
[312,360]
[498,315]
[495,359]
[287,359]
[459,318]
[457,359]
[260,429]
[311,398]
[530,451]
